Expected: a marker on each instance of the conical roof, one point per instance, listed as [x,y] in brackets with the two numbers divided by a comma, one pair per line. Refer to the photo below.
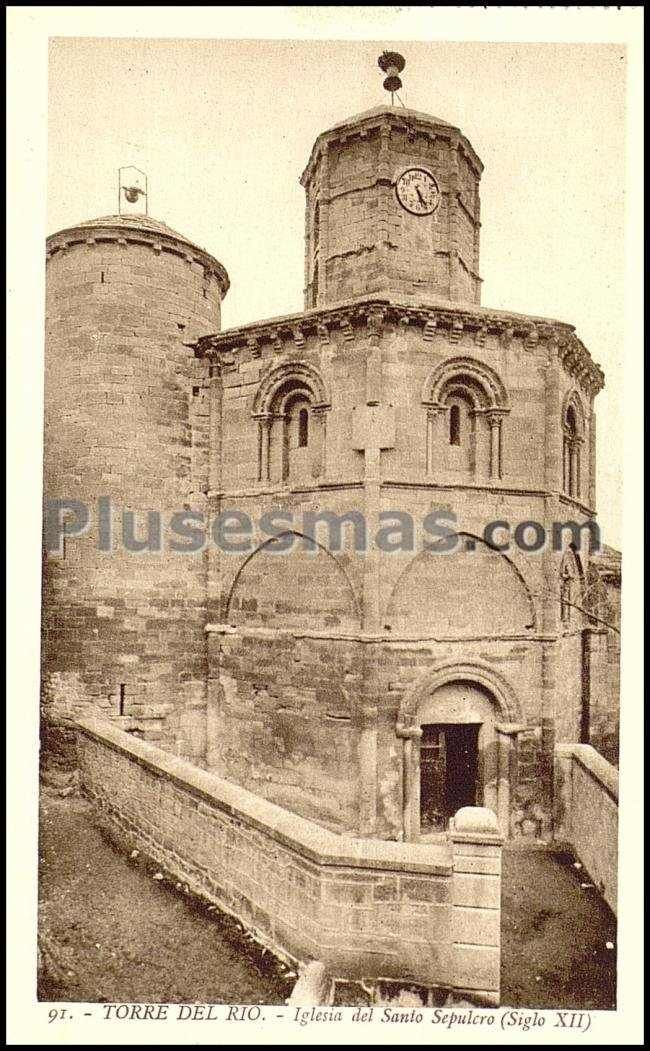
[144,224]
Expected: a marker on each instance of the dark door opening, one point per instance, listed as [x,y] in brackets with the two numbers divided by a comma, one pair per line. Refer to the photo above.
[448,772]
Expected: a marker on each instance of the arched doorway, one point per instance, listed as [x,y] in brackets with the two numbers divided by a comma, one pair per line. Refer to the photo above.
[458,753]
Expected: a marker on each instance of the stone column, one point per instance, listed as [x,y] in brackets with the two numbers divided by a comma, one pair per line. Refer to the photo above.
[490,766]
[265,421]
[575,468]
[436,415]
[407,814]
[410,736]
[368,770]
[507,736]
[494,421]
[503,795]
[592,459]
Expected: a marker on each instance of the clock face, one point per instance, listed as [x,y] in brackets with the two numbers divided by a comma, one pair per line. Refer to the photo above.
[417,191]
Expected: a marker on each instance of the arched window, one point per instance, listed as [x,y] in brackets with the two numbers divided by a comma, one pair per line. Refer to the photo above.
[303,428]
[460,402]
[572,424]
[572,440]
[466,405]
[291,434]
[454,425]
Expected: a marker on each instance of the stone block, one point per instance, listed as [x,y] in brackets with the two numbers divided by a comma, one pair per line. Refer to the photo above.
[476,967]
[476,891]
[474,926]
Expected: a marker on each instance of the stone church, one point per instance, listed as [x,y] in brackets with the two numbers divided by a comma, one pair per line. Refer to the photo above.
[373,691]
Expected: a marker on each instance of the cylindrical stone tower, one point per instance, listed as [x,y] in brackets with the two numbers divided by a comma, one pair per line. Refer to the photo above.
[126,425]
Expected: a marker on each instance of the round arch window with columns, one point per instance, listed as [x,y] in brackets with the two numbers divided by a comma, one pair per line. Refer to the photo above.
[290,407]
[573,436]
[466,403]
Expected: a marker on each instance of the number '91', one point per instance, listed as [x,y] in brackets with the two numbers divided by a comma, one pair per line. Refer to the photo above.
[58,1014]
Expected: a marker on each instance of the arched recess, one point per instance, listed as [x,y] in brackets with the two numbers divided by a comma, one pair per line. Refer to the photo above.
[573,436]
[457,725]
[472,591]
[304,586]
[572,588]
[414,700]
[466,402]
[290,406]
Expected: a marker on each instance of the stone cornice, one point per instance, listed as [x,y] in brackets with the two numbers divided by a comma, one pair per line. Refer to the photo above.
[369,638]
[158,241]
[372,316]
[372,121]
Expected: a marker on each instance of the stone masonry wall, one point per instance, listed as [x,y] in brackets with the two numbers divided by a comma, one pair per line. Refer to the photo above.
[284,722]
[367,909]
[605,658]
[587,813]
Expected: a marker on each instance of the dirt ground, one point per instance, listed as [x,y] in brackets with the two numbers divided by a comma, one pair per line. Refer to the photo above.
[110,932]
[554,935]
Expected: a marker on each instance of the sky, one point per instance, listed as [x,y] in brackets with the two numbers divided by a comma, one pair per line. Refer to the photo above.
[224,128]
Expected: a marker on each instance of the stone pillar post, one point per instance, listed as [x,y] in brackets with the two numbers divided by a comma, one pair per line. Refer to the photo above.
[476,895]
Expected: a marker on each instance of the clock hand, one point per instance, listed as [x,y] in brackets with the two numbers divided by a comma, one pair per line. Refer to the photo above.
[422,200]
